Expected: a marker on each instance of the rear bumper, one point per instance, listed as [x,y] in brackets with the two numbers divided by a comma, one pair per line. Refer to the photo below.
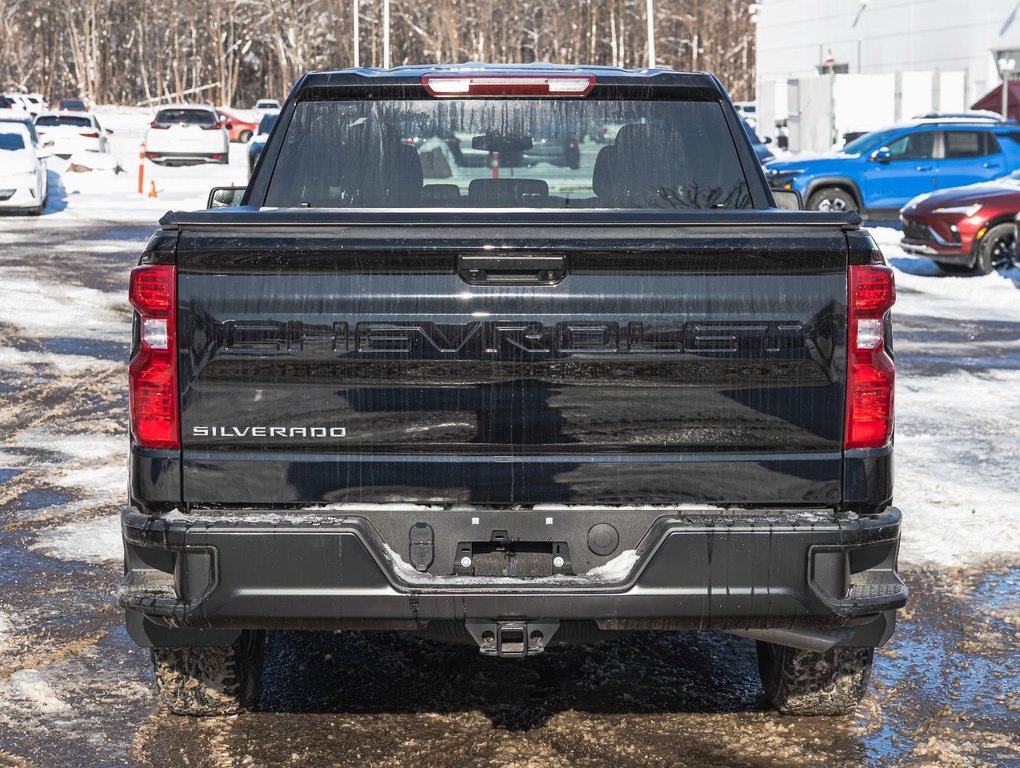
[331,570]
[189,157]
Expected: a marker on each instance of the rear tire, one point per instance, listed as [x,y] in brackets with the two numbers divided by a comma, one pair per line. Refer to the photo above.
[244,136]
[218,680]
[832,199]
[995,251]
[799,682]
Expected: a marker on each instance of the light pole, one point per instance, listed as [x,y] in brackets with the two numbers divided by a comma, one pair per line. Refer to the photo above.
[650,12]
[356,13]
[1007,67]
[386,33]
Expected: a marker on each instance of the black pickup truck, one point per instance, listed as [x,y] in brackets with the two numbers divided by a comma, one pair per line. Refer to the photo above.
[511,402]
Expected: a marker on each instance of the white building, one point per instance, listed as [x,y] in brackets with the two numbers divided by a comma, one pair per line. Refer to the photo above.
[876,61]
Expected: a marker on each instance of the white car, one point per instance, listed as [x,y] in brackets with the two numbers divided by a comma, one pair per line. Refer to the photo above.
[185,135]
[262,106]
[73,132]
[32,103]
[20,118]
[23,183]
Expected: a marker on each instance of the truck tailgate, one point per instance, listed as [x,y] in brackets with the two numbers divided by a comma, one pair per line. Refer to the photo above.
[512,365]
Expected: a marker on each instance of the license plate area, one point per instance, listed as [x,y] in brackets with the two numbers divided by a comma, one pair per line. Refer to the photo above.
[503,557]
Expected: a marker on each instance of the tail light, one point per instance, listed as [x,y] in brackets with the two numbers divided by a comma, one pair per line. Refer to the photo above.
[870,373]
[89,135]
[153,371]
[157,126]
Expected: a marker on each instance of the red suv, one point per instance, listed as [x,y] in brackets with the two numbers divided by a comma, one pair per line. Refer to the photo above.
[965,229]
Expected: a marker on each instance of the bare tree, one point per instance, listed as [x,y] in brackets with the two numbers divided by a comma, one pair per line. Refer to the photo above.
[134,51]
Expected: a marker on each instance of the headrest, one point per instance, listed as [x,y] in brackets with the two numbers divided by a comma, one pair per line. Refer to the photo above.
[604,172]
[502,193]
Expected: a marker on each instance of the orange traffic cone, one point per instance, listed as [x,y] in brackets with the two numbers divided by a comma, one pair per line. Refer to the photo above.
[152,189]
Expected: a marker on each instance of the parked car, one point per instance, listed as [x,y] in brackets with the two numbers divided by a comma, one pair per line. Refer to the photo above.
[472,151]
[262,106]
[19,101]
[73,132]
[72,105]
[240,129]
[763,153]
[186,135]
[258,141]
[32,103]
[657,400]
[6,102]
[881,171]
[23,183]
[965,229]
[38,142]
[38,99]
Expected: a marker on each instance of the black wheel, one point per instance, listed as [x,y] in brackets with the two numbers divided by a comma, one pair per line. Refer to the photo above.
[218,680]
[832,199]
[799,682]
[996,249]
[244,136]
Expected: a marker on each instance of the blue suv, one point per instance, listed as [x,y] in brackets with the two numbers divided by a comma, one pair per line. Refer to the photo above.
[879,172]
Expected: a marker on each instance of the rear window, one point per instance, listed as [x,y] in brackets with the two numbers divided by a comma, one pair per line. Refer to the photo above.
[72,120]
[186,117]
[11,142]
[520,153]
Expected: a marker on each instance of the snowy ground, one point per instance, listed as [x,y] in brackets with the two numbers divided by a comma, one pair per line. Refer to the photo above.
[74,690]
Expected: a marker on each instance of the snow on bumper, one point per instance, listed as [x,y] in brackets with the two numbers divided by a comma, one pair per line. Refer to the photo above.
[714,569]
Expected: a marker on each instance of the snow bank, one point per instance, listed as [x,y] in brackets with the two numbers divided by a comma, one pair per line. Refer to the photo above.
[956,434]
[88,162]
[956,467]
[96,542]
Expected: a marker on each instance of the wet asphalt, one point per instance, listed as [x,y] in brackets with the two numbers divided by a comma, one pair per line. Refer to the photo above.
[74,691]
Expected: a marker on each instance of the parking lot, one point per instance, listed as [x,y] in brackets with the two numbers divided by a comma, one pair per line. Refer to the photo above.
[74,690]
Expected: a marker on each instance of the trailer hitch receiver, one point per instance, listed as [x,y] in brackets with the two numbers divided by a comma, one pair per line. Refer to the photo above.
[512,638]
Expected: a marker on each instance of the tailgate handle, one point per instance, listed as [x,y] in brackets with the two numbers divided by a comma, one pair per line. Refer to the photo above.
[516,269]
